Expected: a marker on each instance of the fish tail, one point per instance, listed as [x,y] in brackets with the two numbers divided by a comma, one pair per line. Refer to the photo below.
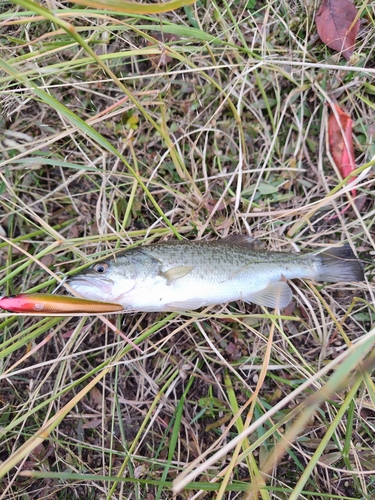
[340,264]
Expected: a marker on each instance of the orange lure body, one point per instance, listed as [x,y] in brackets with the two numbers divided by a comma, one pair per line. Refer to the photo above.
[54,304]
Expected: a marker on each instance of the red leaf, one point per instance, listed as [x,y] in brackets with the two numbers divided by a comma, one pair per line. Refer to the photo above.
[341,147]
[341,143]
[334,22]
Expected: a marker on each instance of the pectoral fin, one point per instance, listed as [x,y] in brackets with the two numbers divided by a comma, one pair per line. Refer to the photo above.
[175,273]
[276,295]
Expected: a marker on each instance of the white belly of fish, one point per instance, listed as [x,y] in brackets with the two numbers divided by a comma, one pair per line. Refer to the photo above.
[188,294]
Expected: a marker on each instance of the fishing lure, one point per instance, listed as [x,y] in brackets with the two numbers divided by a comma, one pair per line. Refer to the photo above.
[52,304]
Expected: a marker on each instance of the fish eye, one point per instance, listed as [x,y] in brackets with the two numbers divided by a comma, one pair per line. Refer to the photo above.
[101,267]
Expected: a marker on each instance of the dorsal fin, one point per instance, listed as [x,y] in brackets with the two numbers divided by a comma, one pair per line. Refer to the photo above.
[242,240]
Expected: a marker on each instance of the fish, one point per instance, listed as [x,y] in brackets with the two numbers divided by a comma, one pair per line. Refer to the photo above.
[187,275]
[42,303]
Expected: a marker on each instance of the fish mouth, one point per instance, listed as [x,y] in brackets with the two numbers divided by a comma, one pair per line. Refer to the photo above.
[81,283]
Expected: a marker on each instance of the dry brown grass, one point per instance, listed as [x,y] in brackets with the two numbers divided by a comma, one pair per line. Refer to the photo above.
[221,128]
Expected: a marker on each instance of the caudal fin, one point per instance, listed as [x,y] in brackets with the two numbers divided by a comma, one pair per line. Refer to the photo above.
[340,264]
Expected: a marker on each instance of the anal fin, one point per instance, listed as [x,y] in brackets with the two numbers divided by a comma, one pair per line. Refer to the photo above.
[276,295]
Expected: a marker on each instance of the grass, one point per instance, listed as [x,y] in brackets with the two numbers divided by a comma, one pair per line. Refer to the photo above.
[122,129]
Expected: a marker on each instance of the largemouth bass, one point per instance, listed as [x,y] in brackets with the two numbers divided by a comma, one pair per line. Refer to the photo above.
[187,275]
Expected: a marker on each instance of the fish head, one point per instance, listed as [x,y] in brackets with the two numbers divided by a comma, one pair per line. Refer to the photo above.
[106,281]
